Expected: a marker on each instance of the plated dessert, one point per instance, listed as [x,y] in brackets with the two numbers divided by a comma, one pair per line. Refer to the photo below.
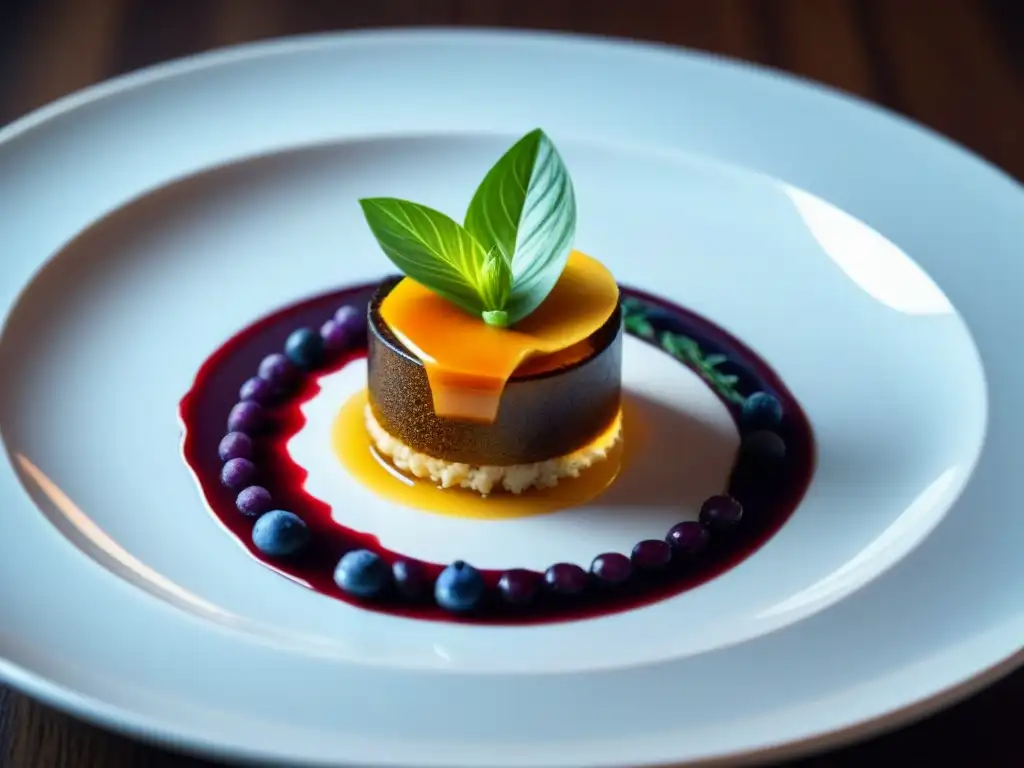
[494,382]
[495,364]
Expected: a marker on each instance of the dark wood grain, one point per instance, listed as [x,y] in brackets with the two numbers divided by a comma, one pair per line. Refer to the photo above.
[955,65]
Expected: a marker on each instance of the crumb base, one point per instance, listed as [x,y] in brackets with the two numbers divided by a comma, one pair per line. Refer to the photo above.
[514,478]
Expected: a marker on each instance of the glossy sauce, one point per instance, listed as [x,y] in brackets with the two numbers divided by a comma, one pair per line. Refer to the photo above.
[358,457]
[468,362]
[205,407]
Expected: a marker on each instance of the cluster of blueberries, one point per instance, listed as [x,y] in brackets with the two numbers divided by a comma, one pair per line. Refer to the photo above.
[762,449]
[459,587]
[277,532]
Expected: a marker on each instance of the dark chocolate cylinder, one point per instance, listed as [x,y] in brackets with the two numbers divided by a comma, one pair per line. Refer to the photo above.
[540,416]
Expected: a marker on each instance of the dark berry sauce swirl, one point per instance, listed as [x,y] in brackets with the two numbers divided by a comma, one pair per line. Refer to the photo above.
[245,405]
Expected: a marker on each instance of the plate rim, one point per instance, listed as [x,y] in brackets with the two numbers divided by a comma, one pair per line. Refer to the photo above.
[285,44]
[112,716]
[150,731]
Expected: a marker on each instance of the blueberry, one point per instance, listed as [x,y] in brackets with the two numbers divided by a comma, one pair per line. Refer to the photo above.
[761,411]
[519,586]
[459,588]
[721,513]
[410,578]
[611,568]
[346,329]
[278,370]
[305,348]
[246,416]
[761,470]
[236,474]
[258,390]
[651,554]
[763,447]
[235,445]
[688,538]
[279,534]
[254,501]
[353,320]
[565,579]
[362,573]
[335,337]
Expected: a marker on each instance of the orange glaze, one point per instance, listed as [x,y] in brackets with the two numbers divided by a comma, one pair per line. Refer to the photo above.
[564,358]
[468,362]
[353,449]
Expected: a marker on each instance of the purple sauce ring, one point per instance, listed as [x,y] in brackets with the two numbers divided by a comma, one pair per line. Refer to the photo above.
[650,558]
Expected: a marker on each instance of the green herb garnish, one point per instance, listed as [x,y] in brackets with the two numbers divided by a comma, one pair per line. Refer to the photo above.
[682,348]
[513,247]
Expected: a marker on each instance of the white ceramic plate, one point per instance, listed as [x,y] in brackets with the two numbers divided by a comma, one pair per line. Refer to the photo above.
[147,220]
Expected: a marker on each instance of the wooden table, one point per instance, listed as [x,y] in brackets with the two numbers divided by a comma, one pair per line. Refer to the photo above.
[955,65]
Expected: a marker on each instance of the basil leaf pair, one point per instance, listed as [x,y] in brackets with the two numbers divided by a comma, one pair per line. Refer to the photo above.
[513,247]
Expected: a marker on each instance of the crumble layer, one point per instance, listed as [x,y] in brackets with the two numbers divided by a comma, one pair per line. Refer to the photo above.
[515,478]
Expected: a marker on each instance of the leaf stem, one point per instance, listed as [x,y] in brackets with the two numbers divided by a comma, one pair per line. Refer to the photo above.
[496,318]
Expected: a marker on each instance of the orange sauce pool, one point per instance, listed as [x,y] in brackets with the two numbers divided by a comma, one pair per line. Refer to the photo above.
[354,450]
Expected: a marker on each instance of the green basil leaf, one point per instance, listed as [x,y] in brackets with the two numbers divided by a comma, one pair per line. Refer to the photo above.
[430,247]
[526,209]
